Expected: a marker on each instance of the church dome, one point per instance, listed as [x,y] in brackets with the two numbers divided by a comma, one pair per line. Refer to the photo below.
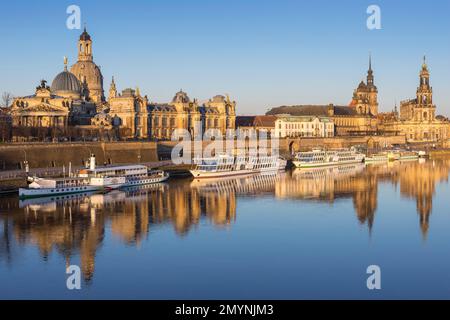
[85,36]
[362,85]
[89,72]
[181,97]
[66,84]
[218,98]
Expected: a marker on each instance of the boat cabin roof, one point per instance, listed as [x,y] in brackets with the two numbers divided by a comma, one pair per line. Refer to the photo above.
[111,168]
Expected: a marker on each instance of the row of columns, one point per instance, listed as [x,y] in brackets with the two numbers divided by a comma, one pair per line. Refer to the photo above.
[44,121]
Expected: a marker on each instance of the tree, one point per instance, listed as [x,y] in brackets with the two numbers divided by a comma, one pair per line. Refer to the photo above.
[6,101]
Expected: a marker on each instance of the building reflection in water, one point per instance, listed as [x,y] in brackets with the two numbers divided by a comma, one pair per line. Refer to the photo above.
[75,225]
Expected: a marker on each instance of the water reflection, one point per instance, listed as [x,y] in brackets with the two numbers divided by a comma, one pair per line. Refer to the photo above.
[75,225]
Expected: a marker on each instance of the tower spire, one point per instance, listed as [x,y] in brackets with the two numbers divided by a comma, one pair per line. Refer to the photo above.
[424,65]
[370,72]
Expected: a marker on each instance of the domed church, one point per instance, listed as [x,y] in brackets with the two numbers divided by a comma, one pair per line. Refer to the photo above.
[87,72]
[76,98]
[65,102]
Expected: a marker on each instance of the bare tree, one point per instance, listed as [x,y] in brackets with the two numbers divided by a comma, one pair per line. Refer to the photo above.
[7,98]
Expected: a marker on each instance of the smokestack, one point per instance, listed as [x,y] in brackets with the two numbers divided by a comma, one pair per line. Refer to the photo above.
[92,162]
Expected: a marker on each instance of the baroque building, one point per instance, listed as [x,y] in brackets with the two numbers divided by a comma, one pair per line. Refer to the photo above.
[76,98]
[365,97]
[417,119]
[87,72]
[59,105]
[359,118]
[159,120]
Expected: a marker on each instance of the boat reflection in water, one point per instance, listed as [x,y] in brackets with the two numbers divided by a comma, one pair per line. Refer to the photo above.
[75,226]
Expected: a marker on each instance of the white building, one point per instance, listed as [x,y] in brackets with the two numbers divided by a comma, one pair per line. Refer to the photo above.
[303,126]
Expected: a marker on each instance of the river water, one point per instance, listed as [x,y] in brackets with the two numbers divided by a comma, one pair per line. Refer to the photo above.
[303,234]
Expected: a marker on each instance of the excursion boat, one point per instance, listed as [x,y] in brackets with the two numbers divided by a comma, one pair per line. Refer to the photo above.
[135,175]
[377,157]
[408,155]
[322,158]
[224,165]
[43,187]
[269,164]
[394,156]
[94,179]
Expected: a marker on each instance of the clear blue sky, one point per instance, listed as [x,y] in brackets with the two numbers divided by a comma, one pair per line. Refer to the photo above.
[263,53]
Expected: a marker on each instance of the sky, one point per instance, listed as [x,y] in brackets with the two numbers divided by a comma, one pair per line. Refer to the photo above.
[262,53]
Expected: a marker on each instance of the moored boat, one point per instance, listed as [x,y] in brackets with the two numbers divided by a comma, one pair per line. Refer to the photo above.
[223,165]
[93,179]
[322,158]
[377,157]
[43,187]
[134,175]
[408,155]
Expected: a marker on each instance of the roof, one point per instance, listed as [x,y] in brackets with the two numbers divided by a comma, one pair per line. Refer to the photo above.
[85,36]
[256,121]
[65,82]
[265,121]
[289,118]
[245,121]
[114,167]
[206,109]
[162,107]
[312,110]
[181,97]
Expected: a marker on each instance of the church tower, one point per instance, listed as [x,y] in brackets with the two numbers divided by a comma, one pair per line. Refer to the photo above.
[424,91]
[112,90]
[85,47]
[425,110]
[87,71]
[372,91]
[365,97]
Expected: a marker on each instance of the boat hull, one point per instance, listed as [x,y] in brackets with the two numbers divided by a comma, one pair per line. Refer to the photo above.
[299,164]
[146,181]
[377,159]
[213,174]
[45,192]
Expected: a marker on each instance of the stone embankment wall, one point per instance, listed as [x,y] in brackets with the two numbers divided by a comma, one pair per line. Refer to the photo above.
[40,155]
[49,155]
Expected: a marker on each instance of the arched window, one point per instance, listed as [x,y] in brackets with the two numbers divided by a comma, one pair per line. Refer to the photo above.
[425,115]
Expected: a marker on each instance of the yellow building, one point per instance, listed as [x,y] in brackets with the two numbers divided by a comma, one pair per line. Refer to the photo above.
[417,119]
[87,72]
[359,118]
[160,120]
[291,126]
[76,98]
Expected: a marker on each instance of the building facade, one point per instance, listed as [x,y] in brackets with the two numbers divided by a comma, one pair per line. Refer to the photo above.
[358,118]
[417,119]
[256,125]
[76,98]
[365,97]
[303,126]
[87,72]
